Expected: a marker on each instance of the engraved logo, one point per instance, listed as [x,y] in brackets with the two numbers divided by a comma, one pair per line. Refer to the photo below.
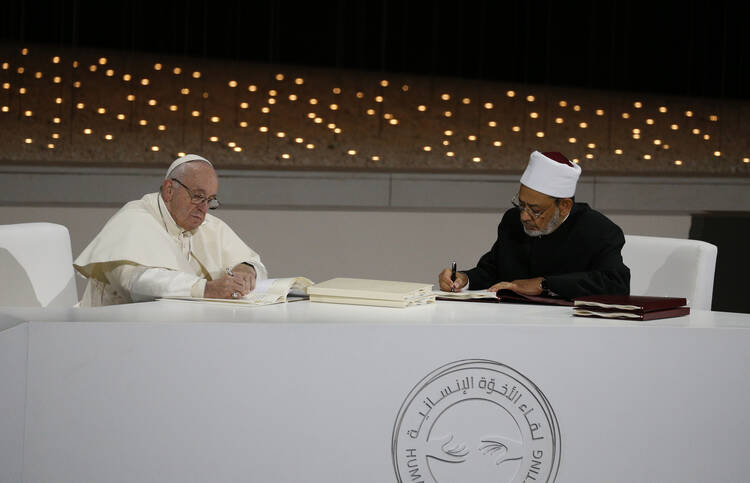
[476,420]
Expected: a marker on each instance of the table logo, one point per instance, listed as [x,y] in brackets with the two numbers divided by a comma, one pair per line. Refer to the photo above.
[476,420]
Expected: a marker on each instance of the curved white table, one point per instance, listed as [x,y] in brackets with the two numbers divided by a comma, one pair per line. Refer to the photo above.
[179,391]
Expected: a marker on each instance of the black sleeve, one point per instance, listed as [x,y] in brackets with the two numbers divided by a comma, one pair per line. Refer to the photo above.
[607,274]
[485,274]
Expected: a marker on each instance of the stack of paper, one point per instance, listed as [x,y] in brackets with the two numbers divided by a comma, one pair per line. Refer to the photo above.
[635,307]
[382,293]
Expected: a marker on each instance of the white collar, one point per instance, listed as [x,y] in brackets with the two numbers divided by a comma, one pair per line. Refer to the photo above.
[166,217]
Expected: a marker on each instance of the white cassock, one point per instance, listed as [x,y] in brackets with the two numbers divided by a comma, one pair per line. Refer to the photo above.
[141,254]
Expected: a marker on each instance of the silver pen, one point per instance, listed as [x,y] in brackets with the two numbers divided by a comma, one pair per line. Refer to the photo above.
[229,272]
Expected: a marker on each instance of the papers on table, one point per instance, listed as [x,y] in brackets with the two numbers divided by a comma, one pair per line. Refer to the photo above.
[266,292]
[465,294]
[381,293]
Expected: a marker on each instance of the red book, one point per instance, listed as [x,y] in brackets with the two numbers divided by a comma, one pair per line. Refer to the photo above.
[631,307]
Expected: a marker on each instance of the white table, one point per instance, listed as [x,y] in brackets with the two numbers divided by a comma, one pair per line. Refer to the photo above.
[178,391]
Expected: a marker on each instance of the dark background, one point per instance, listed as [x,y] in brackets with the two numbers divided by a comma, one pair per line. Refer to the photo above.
[691,47]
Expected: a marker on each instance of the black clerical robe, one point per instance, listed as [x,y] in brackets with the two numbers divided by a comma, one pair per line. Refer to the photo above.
[581,257]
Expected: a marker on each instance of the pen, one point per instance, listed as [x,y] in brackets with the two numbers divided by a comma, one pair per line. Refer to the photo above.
[229,272]
[453,273]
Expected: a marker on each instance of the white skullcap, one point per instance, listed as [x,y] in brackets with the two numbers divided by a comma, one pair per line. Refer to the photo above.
[185,159]
[552,174]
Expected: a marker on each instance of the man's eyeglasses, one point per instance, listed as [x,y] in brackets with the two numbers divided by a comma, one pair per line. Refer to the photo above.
[522,207]
[199,199]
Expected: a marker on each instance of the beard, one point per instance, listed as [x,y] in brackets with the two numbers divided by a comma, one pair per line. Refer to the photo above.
[554,222]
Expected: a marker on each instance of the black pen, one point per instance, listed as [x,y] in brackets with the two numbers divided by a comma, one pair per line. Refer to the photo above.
[453,274]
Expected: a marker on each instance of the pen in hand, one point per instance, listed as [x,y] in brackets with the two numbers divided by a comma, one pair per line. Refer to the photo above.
[453,275]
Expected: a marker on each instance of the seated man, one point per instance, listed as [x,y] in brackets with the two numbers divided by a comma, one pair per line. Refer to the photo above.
[548,244]
[165,244]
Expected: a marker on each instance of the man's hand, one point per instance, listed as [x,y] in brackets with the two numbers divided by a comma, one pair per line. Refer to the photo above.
[248,274]
[527,286]
[447,285]
[224,287]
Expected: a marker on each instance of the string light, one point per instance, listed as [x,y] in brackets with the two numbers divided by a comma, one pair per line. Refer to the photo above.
[445,97]
[530,98]
[511,93]
[488,105]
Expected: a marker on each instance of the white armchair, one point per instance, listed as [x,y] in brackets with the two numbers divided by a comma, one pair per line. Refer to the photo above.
[671,267]
[36,263]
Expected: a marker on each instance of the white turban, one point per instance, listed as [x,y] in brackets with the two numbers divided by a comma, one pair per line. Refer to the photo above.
[183,160]
[552,174]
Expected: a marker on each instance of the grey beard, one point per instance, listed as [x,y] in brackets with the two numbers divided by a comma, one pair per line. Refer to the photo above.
[554,222]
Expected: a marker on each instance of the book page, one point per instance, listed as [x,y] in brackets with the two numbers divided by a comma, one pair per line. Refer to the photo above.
[266,292]
[466,294]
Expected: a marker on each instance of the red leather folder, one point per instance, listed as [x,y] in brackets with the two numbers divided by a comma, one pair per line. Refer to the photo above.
[630,307]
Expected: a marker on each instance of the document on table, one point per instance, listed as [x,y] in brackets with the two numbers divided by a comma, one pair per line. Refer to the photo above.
[266,292]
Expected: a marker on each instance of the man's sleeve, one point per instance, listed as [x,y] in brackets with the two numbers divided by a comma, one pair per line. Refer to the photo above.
[145,284]
[485,274]
[607,275]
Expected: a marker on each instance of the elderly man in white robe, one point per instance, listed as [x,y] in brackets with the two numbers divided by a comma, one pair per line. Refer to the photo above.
[166,244]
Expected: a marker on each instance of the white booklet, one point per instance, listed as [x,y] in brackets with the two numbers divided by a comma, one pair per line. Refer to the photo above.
[266,292]
[383,293]
[465,294]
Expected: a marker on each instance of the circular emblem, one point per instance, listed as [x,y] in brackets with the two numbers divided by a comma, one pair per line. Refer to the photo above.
[476,420]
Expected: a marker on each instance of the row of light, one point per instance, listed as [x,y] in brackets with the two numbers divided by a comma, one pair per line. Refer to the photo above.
[359,94]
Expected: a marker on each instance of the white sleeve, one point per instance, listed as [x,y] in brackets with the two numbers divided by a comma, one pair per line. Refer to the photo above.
[144,284]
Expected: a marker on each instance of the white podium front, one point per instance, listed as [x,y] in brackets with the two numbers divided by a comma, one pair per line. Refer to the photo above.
[454,392]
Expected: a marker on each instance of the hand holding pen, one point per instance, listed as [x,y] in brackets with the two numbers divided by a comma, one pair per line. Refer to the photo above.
[451,280]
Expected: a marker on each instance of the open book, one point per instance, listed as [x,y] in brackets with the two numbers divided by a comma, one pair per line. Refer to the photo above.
[501,296]
[466,295]
[266,292]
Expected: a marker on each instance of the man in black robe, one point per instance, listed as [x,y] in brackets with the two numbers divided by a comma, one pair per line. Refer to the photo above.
[548,244]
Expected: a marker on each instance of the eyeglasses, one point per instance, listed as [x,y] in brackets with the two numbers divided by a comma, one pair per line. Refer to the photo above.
[199,199]
[522,207]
